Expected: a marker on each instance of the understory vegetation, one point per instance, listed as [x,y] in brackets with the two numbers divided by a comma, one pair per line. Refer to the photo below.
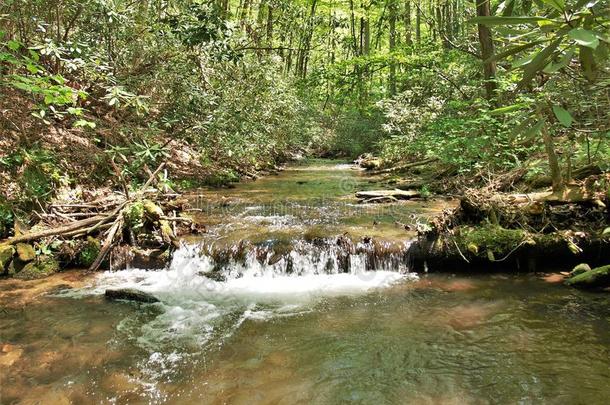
[97,91]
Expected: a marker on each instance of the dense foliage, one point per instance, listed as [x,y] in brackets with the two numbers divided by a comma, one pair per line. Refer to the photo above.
[239,85]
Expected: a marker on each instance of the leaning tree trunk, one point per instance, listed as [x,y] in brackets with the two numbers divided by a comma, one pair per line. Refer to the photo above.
[556,178]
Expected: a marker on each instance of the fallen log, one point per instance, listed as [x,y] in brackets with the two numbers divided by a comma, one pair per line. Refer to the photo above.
[396,194]
[116,226]
[385,199]
[60,230]
[577,174]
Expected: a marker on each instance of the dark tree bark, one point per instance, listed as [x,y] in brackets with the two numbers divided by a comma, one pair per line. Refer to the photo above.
[407,22]
[487,50]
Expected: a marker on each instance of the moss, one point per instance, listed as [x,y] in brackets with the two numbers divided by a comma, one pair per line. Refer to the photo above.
[6,219]
[25,252]
[134,216]
[579,269]
[490,238]
[6,255]
[598,277]
[38,269]
[89,252]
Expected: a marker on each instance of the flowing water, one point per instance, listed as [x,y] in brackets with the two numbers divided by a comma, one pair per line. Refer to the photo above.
[296,294]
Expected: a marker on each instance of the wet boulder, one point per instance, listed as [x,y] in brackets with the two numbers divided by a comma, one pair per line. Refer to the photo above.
[596,278]
[130,294]
[129,257]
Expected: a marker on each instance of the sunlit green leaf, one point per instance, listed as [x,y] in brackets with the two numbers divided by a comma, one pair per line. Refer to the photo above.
[584,37]
[13,45]
[507,109]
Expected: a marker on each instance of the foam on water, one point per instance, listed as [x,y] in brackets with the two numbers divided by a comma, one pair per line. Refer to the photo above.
[197,313]
[251,281]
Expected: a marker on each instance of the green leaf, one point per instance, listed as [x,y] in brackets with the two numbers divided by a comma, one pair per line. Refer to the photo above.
[538,63]
[564,117]
[563,62]
[507,109]
[523,61]
[496,20]
[75,111]
[587,62]
[84,123]
[584,37]
[512,51]
[32,68]
[13,45]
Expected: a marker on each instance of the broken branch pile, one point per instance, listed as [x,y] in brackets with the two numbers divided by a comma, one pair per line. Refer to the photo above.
[139,218]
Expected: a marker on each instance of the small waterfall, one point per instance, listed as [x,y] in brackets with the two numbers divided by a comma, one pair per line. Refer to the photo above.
[299,258]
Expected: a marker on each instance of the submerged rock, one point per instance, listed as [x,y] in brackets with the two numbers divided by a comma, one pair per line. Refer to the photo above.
[130,294]
[598,277]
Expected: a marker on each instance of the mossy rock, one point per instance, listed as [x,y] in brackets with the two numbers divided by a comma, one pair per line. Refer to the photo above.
[38,269]
[25,252]
[6,255]
[579,269]
[134,216]
[490,239]
[89,252]
[598,277]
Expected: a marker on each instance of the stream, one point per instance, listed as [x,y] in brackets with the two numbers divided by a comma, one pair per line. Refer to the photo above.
[297,294]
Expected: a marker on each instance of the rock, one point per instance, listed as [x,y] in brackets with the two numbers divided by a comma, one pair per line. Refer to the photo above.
[25,252]
[38,269]
[130,294]
[129,257]
[368,161]
[598,277]
[579,269]
[6,255]
[9,354]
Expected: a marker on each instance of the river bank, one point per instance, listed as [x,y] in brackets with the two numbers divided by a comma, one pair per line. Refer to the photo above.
[312,206]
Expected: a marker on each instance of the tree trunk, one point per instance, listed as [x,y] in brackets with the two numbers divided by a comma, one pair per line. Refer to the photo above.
[487,50]
[418,23]
[392,22]
[549,147]
[407,22]
[269,27]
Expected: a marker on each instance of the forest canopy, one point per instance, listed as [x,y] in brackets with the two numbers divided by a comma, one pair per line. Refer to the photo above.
[239,86]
